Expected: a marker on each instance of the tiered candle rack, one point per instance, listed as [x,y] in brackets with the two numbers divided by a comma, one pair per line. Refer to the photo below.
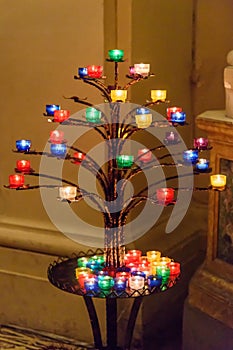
[119,167]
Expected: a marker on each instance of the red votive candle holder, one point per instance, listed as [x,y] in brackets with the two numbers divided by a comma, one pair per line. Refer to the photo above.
[200,143]
[79,157]
[144,155]
[171,110]
[165,195]
[94,71]
[174,270]
[23,165]
[60,115]
[16,180]
[134,255]
[56,136]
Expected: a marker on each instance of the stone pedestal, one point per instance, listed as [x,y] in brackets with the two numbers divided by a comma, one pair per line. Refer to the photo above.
[208,312]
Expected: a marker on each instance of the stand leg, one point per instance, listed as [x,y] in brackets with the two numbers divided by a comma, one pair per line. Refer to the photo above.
[111,314]
[94,322]
[131,322]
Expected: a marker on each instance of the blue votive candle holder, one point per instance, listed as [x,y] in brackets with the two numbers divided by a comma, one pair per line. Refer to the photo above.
[91,284]
[58,149]
[138,273]
[154,281]
[23,145]
[190,156]
[178,117]
[202,164]
[120,283]
[50,109]
[82,72]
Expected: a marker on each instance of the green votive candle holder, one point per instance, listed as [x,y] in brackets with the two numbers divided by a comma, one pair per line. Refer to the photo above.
[82,262]
[124,161]
[116,55]
[106,282]
[164,272]
[93,115]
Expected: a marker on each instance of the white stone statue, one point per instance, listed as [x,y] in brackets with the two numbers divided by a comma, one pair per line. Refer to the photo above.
[228,84]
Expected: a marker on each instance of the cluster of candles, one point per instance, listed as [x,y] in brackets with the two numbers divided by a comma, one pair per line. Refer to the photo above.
[138,273]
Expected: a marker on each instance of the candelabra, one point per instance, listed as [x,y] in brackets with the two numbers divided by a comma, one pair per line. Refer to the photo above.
[112,273]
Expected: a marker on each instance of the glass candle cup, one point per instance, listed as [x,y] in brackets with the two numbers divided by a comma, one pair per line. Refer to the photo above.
[94,71]
[144,155]
[116,55]
[143,120]
[61,115]
[93,115]
[79,157]
[153,255]
[82,262]
[171,137]
[106,283]
[134,255]
[171,110]
[136,282]
[218,181]
[58,149]
[190,156]
[120,283]
[56,136]
[142,69]
[202,164]
[23,145]
[165,196]
[118,95]
[178,117]
[124,161]
[82,72]
[50,109]
[23,165]
[164,272]
[200,143]
[91,284]
[16,180]
[154,281]
[68,192]
[158,95]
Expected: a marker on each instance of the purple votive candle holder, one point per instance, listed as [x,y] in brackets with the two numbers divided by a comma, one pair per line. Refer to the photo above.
[200,143]
[171,137]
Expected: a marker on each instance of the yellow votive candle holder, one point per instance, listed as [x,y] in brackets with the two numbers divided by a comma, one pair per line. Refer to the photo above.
[218,181]
[153,255]
[118,95]
[158,95]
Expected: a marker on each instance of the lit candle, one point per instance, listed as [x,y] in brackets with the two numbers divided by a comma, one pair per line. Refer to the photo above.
[164,272]
[82,72]
[79,157]
[165,260]
[202,164]
[61,115]
[153,266]
[58,149]
[174,270]
[82,262]
[190,156]
[56,136]
[81,273]
[172,110]
[153,255]
[51,108]
[23,145]
[94,71]
[120,283]
[131,71]
[16,180]
[91,284]
[118,95]
[134,255]
[124,161]
[138,273]
[165,196]
[154,281]
[158,95]
[142,69]
[23,165]
[218,181]
[68,192]
[93,115]
[106,283]
[143,117]
[171,137]
[200,143]
[116,55]
[144,155]
[136,282]
[178,117]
